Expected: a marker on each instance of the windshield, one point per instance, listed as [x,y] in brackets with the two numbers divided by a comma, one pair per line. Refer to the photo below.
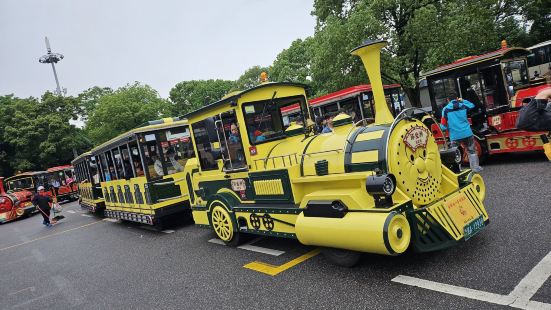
[22,183]
[516,73]
[265,120]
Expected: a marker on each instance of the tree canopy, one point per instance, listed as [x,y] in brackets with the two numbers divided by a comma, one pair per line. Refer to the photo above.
[188,96]
[126,108]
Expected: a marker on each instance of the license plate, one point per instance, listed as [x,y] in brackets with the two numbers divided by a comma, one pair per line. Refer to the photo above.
[28,204]
[238,185]
[473,227]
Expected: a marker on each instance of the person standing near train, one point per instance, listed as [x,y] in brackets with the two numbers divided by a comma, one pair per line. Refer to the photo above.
[455,120]
[42,202]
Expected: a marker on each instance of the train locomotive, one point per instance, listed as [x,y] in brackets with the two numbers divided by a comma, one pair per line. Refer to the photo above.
[380,188]
[16,193]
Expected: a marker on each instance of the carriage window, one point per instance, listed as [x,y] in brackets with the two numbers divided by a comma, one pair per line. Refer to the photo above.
[177,148]
[206,141]
[152,157]
[111,165]
[117,162]
[135,158]
[442,88]
[367,99]
[264,120]
[94,169]
[126,163]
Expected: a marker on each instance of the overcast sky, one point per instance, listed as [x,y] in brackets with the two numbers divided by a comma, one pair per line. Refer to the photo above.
[160,43]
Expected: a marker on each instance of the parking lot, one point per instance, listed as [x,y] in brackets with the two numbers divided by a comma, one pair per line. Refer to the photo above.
[87,262]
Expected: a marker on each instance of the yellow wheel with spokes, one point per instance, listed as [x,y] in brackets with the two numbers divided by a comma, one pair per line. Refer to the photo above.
[223,226]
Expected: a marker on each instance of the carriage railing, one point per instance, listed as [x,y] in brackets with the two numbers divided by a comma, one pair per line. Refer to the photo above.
[272,159]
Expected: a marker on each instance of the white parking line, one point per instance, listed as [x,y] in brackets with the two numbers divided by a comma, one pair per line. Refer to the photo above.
[167,231]
[249,247]
[532,282]
[455,290]
[217,241]
[87,215]
[111,220]
[518,298]
[71,211]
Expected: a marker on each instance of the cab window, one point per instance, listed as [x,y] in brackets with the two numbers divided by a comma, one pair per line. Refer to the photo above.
[264,120]
[229,132]
[206,141]
[176,148]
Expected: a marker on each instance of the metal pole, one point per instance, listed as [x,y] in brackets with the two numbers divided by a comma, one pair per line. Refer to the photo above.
[58,89]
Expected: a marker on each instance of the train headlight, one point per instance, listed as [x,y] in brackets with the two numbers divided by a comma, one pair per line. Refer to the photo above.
[381,187]
[451,158]
[384,184]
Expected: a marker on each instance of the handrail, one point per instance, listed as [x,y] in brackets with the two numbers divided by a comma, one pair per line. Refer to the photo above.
[273,158]
[321,152]
[165,199]
[168,182]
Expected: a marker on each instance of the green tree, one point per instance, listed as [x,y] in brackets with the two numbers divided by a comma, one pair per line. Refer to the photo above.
[39,132]
[250,78]
[126,108]
[294,63]
[188,96]
[89,100]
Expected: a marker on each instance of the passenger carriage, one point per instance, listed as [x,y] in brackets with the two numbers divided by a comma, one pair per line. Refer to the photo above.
[65,177]
[139,171]
[497,83]
[88,183]
[379,188]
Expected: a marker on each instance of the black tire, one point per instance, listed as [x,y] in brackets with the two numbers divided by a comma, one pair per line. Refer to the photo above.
[344,258]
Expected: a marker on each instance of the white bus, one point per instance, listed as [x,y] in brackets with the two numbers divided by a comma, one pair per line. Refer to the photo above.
[539,62]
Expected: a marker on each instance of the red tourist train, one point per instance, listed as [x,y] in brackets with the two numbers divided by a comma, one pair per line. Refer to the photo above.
[16,192]
[498,84]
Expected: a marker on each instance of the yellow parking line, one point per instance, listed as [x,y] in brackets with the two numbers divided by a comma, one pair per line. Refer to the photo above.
[50,235]
[275,270]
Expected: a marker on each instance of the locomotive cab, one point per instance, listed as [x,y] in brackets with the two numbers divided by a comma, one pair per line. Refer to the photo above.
[379,188]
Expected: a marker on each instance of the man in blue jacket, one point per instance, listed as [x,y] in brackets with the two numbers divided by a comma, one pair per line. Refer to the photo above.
[455,120]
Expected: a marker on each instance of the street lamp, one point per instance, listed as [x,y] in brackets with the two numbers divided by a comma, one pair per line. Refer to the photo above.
[52,58]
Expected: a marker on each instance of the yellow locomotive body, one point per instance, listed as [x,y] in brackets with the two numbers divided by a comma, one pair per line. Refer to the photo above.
[376,188]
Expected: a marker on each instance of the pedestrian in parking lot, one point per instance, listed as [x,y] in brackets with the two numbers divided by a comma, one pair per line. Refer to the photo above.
[42,201]
[455,120]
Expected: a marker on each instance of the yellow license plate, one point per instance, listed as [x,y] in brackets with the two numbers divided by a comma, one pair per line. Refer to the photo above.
[461,210]
[28,204]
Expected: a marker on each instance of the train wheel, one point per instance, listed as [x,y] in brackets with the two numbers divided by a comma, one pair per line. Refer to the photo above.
[19,212]
[223,225]
[344,258]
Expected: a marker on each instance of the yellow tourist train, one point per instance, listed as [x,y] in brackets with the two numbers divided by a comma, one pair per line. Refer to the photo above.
[241,167]
[138,173]
[379,188]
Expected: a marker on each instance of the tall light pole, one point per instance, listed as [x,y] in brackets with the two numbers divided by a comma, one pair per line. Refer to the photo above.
[52,58]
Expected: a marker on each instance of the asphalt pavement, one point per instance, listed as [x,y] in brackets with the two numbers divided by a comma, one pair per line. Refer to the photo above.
[87,262]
